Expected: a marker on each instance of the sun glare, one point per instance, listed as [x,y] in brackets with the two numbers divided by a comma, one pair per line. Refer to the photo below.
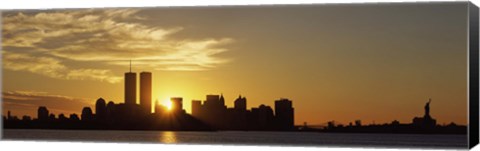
[167,104]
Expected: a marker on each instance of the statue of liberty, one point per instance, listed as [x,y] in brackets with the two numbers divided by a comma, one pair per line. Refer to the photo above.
[427,108]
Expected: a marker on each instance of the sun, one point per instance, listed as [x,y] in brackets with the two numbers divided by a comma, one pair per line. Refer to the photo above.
[167,104]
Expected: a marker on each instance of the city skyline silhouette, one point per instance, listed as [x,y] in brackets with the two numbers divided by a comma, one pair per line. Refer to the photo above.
[374,75]
[335,63]
[209,115]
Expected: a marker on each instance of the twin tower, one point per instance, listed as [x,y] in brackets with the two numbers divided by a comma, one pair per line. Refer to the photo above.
[145,89]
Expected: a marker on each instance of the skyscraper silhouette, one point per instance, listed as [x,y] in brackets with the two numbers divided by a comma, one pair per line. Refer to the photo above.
[214,111]
[130,87]
[177,105]
[87,114]
[215,101]
[196,108]
[42,113]
[284,114]
[238,117]
[241,103]
[101,109]
[110,109]
[146,91]
[51,117]
[265,117]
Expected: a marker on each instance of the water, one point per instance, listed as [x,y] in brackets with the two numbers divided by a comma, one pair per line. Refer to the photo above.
[245,138]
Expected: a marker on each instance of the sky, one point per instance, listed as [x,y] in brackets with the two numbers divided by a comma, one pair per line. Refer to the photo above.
[375,63]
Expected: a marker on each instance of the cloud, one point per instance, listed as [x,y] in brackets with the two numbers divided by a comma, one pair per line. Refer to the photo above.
[41,65]
[27,102]
[112,37]
[53,68]
[93,74]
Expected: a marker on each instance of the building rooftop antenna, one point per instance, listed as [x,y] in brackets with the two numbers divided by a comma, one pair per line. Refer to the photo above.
[130,65]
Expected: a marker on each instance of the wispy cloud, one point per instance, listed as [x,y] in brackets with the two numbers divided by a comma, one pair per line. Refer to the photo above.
[93,74]
[54,68]
[42,65]
[110,37]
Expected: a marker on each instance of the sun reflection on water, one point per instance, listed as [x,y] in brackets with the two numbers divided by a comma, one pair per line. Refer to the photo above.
[168,137]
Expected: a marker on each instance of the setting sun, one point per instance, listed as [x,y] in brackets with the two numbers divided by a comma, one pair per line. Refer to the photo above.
[167,104]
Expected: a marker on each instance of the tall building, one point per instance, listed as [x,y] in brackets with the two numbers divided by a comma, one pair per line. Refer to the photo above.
[51,117]
[42,113]
[87,114]
[196,108]
[130,87]
[146,91]
[216,101]
[239,114]
[222,100]
[101,109]
[241,103]
[265,117]
[214,111]
[110,109]
[212,99]
[284,114]
[177,105]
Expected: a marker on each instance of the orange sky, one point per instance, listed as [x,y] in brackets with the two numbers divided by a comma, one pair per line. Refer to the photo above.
[377,63]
